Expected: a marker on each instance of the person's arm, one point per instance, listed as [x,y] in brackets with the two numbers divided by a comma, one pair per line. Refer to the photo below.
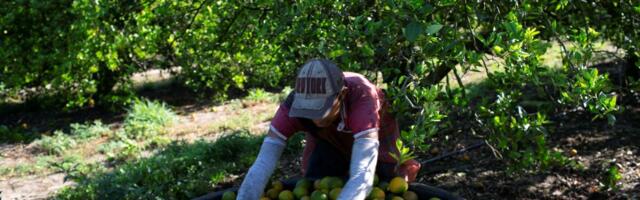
[364,157]
[254,183]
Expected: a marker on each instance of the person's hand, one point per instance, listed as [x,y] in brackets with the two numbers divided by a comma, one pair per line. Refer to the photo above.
[409,170]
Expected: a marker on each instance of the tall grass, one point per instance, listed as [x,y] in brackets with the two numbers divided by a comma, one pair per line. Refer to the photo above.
[148,118]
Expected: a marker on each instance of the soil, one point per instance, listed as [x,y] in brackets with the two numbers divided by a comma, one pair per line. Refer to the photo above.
[598,146]
[33,186]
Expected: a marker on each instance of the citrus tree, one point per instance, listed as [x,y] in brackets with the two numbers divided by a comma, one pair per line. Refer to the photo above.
[75,53]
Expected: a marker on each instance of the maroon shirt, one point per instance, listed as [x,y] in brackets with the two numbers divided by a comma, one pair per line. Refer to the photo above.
[364,110]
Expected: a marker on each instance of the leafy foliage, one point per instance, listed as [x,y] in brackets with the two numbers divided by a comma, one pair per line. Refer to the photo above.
[59,142]
[612,178]
[403,155]
[180,171]
[89,131]
[522,136]
[147,118]
[591,91]
[56,144]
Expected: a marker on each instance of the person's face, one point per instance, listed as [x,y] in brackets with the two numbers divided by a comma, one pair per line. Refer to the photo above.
[333,114]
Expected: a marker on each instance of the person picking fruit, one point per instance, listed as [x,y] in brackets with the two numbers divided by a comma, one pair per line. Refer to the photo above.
[349,132]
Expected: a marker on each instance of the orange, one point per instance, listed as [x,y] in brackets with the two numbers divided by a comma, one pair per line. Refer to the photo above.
[398,185]
[286,195]
[277,185]
[229,195]
[318,195]
[300,192]
[376,193]
[409,195]
[272,193]
[335,192]
[305,183]
[335,182]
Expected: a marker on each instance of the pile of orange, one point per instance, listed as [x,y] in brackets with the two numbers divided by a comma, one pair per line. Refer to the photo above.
[329,188]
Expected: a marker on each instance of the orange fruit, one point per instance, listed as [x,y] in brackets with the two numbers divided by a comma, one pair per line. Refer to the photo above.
[409,195]
[384,185]
[573,152]
[325,183]
[335,192]
[335,182]
[376,193]
[286,195]
[229,195]
[305,183]
[300,192]
[277,185]
[272,193]
[435,150]
[398,185]
[319,195]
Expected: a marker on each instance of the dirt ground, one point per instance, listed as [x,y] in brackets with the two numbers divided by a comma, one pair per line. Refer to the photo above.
[598,146]
[33,186]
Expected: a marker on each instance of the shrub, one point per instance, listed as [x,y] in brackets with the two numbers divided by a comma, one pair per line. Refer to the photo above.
[518,135]
[592,92]
[258,95]
[89,131]
[60,142]
[147,118]
[56,143]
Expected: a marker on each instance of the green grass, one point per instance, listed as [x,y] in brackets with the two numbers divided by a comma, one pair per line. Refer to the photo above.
[42,164]
[89,131]
[258,95]
[56,144]
[145,121]
[148,118]
[60,142]
[180,171]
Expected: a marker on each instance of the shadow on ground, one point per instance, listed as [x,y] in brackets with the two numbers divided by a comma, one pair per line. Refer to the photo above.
[181,170]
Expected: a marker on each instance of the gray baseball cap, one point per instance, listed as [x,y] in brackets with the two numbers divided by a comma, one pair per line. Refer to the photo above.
[318,83]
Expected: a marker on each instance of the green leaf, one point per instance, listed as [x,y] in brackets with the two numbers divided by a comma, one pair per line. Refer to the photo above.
[412,31]
[434,28]
[367,50]
[612,102]
[336,53]
[416,3]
